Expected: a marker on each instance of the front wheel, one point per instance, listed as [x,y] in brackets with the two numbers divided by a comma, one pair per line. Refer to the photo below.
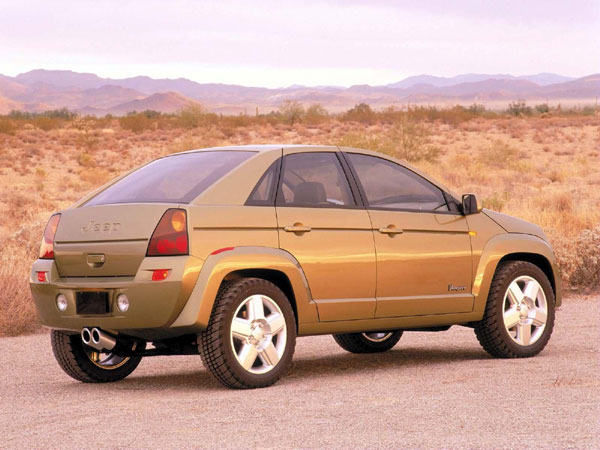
[251,334]
[519,314]
[371,342]
[87,364]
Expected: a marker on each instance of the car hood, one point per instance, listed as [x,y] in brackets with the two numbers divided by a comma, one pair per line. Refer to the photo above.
[514,225]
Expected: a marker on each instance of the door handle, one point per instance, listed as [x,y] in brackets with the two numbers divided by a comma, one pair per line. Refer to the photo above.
[297,228]
[391,230]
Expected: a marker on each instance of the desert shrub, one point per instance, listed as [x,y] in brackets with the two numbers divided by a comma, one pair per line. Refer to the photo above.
[47,123]
[17,311]
[193,116]
[360,113]
[95,177]
[499,154]
[291,111]
[136,122]
[7,126]
[414,142]
[495,202]
[542,108]
[86,160]
[587,272]
[519,108]
[407,140]
[315,114]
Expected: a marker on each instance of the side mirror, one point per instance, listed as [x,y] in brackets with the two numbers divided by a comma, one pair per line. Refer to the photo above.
[470,204]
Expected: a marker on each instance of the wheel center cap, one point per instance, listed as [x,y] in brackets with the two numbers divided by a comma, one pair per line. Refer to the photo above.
[258,334]
[523,311]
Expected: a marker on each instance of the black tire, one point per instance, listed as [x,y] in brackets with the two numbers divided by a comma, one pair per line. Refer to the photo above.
[71,356]
[491,332]
[359,343]
[215,343]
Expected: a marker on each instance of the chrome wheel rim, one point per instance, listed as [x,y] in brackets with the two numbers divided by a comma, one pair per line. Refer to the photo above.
[258,334]
[525,310]
[108,361]
[377,336]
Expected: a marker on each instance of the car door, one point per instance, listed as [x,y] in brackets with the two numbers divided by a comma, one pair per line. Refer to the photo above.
[321,223]
[422,242]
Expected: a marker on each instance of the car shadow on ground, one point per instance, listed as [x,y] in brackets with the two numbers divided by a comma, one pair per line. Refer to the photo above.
[399,359]
[302,368]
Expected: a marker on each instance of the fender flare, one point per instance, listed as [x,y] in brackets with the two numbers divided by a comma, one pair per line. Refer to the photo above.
[503,245]
[196,312]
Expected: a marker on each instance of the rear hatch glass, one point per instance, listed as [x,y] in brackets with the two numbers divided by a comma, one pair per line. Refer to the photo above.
[173,179]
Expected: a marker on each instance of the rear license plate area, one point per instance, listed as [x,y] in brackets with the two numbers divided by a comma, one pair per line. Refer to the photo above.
[91,302]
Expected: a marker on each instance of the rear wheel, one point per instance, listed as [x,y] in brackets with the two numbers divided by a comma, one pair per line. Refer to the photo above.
[519,314]
[371,342]
[251,335]
[87,364]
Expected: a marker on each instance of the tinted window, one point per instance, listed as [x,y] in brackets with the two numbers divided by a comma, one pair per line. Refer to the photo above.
[314,179]
[174,179]
[263,192]
[389,185]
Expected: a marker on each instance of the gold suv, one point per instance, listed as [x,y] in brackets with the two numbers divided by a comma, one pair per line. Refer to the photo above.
[233,252]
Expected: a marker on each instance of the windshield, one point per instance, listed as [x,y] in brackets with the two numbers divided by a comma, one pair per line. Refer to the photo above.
[174,179]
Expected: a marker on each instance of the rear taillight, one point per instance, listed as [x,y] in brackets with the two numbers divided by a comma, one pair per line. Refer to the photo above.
[47,247]
[170,236]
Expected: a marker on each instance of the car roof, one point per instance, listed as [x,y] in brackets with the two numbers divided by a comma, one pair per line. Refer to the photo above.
[259,148]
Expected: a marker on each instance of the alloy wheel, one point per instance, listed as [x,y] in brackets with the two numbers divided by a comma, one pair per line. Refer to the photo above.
[258,334]
[525,310]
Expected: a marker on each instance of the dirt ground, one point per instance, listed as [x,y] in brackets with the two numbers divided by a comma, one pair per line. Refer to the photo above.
[434,390]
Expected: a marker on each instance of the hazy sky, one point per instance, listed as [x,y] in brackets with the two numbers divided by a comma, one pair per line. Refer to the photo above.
[278,43]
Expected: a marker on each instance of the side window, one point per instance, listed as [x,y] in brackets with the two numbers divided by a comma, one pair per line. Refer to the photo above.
[263,192]
[392,186]
[314,179]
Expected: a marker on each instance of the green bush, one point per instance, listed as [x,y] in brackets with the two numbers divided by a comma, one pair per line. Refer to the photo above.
[360,113]
[519,108]
[136,122]
[315,114]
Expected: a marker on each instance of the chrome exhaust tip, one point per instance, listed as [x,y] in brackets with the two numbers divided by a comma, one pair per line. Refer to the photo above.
[86,336]
[102,341]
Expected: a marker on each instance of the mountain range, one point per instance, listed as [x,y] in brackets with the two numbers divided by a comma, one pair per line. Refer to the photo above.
[87,93]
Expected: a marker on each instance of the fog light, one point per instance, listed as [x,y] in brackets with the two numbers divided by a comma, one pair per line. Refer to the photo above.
[61,302]
[122,302]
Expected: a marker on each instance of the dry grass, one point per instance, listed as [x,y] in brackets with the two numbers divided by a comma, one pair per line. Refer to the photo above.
[545,170]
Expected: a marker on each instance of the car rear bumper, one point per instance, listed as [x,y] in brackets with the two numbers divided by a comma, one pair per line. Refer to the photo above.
[152,304]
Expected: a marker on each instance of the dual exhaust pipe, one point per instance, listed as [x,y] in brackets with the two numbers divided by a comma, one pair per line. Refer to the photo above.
[98,339]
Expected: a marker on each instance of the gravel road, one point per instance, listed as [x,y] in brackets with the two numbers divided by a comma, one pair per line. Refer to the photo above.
[433,390]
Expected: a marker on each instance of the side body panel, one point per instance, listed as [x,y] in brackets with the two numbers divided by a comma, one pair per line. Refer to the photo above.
[337,256]
[212,228]
[426,267]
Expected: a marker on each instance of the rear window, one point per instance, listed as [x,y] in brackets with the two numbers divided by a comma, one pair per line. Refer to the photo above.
[174,179]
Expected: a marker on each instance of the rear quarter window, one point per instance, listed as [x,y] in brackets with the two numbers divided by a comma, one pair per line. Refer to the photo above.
[174,179]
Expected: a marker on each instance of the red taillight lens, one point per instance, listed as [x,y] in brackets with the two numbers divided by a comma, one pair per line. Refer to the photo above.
[170,236]
[47,247]
[42,277]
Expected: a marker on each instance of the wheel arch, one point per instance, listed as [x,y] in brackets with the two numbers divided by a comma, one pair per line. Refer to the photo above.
[514,247]
[277,277]
[536,259]
[272,264]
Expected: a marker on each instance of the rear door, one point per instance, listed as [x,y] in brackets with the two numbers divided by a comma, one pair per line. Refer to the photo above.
[422,241]
[321,223]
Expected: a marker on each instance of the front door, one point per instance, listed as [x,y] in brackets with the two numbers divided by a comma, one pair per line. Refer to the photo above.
[320,224]
[423,247]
